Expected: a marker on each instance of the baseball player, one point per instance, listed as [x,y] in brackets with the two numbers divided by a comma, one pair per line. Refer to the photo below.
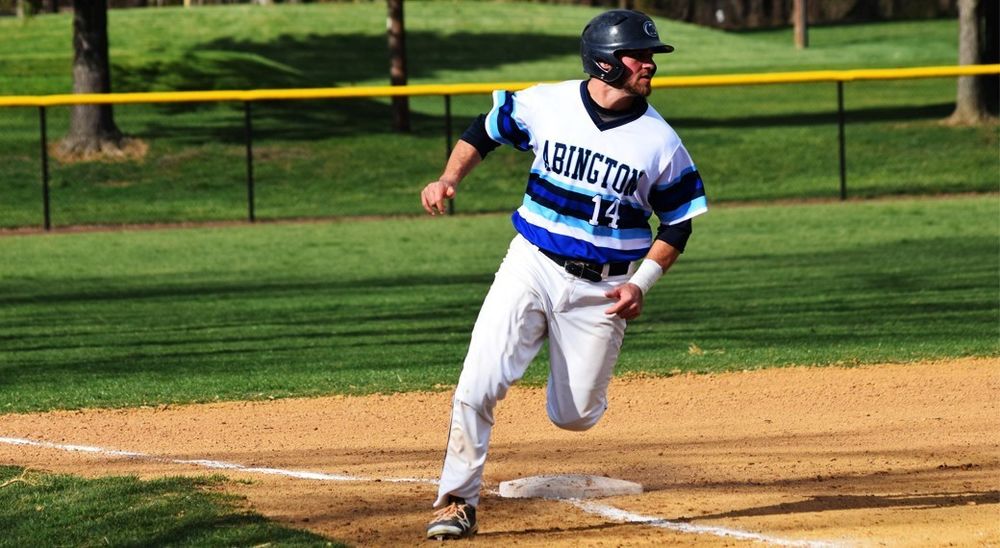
[584,255]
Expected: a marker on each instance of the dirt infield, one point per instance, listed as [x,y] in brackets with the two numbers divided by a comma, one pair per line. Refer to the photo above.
[899,455]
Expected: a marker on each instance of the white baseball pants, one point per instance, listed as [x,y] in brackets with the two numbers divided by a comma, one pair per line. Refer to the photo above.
[531,298]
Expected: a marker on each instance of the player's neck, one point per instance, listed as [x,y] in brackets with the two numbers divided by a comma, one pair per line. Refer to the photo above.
[608,96]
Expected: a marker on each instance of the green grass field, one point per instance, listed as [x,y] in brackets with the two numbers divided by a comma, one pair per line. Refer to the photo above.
[147,317]
[39,509]
[335,158]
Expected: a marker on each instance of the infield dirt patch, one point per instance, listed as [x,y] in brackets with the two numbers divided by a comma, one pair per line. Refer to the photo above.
[899,455]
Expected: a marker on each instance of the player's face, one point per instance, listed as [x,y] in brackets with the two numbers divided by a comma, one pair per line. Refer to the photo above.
[640,69]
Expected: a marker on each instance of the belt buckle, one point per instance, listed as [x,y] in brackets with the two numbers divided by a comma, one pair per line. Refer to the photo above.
[581,270]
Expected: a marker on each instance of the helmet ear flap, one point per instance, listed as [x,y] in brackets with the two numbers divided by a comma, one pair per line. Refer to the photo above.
[593,61]
[612,74]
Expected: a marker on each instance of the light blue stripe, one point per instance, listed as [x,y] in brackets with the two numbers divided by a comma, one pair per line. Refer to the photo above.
[491,119]
[684,210]
[580,189]
[573,222]
[676,179]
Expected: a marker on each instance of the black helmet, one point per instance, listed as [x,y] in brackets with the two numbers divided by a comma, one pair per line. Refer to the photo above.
[615,31]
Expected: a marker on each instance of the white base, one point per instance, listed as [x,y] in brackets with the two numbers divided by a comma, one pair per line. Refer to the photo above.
[572,486]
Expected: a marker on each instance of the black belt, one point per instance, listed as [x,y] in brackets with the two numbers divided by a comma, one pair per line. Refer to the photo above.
[594,272]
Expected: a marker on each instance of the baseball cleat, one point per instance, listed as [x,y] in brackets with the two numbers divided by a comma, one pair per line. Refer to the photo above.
[455,521]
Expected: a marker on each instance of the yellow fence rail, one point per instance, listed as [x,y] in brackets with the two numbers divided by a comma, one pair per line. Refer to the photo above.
[803,77]
[42,102]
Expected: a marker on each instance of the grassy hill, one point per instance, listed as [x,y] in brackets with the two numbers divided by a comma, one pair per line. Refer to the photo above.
[331,158]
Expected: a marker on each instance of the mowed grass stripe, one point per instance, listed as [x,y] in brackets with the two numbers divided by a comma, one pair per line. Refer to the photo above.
[146,317]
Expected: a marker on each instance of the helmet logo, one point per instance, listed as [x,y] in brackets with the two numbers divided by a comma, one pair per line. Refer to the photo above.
[649,28]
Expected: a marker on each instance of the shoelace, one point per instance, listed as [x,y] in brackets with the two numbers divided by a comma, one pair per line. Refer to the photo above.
[453,511]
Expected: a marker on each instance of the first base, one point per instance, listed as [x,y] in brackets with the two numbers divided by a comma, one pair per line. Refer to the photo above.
[572,486]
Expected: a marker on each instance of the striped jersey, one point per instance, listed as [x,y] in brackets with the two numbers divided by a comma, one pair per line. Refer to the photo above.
[594,184]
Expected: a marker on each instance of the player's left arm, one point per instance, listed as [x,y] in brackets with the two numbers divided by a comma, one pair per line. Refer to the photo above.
[629,295]
[677,196]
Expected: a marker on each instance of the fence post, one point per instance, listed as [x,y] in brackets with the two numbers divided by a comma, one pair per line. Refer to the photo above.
[45,170]
[248,131]
[447,144]
[840,126]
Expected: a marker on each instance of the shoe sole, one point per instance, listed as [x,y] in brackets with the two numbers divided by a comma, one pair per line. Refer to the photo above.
[451,534]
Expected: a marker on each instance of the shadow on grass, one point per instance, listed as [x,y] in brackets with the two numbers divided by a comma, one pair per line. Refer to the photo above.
[165,289]
[332,60]
[315,61]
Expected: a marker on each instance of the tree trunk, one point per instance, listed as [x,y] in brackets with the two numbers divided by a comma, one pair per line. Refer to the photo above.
[801,15]
[92,130]
[970,107]
[397,65]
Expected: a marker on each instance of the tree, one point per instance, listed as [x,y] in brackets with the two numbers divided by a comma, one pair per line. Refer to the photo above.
[976,23]
[397,65]
[92,130]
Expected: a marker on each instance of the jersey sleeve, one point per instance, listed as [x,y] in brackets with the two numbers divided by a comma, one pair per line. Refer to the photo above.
[508,122]
[476,136]
[676,235]
[679,194]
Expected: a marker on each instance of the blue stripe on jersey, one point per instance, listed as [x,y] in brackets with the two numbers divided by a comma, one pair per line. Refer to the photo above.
[626,200]
[571,247]
[501,125]
[581,206]
[685,211]
[685,189]
[582,224]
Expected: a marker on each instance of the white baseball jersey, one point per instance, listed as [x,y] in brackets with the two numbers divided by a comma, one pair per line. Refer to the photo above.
[593,184]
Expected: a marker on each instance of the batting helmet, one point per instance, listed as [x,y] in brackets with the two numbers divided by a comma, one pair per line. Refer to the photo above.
[615,31]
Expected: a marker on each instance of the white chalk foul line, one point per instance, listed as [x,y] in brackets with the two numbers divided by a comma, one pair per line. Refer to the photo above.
[603,510]
[617,514]
[204,463]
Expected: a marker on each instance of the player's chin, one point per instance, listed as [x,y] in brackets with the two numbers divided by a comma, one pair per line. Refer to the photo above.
[641,87]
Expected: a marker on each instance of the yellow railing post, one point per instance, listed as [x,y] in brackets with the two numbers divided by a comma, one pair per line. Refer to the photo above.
[43,138]
[248,134]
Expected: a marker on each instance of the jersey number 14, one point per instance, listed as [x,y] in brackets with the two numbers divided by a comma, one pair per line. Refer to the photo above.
[610,213]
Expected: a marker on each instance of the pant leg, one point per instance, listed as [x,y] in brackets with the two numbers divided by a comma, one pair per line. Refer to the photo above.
[584,344]
[507,336]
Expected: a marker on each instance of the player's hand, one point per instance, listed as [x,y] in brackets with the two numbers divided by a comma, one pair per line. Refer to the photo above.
[629,304]
[434,195]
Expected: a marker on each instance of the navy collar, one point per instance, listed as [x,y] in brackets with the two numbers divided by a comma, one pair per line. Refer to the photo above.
[618,117]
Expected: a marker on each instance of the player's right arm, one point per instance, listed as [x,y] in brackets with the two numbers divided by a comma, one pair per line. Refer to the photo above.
[464,157]
[477,141]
